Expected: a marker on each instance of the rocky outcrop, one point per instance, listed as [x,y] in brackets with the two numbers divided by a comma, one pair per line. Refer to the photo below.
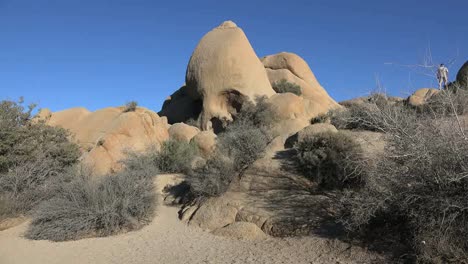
[294,69]
[272,196]
[222,73]
[206,143]
[289,110]
[182,132]
[462,76]
[105,135]
[422,96]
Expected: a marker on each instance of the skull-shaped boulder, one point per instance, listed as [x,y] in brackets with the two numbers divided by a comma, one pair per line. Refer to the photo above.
[222,73]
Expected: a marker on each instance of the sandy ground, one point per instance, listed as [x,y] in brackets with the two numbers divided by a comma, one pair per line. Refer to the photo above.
[168,240]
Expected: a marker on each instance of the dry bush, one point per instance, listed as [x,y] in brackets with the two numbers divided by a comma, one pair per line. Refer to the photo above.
[451,102]
[376,114]
[174,156]
[418,190]
[85,206]
[332,160]
[130,106]
[242,143]
[214,178]
[283,86]
[32,155]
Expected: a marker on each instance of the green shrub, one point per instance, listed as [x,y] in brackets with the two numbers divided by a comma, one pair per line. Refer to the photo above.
[130,106]
[283,86]
[32,155]
[331,159]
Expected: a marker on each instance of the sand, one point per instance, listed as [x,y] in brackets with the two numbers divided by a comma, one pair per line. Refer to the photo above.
[168,240]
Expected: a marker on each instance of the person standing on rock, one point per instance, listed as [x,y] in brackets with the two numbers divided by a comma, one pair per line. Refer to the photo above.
[442,76]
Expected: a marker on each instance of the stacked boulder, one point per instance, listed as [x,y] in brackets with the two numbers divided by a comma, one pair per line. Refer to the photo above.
[107,134]
[224,72]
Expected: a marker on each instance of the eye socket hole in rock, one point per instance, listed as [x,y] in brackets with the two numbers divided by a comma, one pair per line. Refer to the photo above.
[234,100]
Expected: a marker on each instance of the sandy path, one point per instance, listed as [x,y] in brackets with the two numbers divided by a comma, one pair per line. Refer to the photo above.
[168,240]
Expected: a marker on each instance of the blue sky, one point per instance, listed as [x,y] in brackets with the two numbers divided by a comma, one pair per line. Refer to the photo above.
[99,53]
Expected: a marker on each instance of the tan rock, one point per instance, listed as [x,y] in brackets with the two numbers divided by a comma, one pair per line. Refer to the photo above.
[206,142]
[241,230]
[421,96]
[105,135]
[182,132]
[43,115]
[290,111]
[223,72]
[294,69]
[287,106]
[214,213]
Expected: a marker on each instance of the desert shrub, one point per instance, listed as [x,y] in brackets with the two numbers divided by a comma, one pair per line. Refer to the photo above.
[130,106]
[243,146]
[377,114]
[85,206]
[32,154]
[242,143]
[214,178]
[419,186]
[283,86]
[174,156]
[332,160]
[446,103]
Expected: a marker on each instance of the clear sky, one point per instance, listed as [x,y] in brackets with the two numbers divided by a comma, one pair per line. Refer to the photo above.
[99,53]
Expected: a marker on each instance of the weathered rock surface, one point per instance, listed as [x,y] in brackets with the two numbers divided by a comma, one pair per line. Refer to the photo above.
[462,75]
[294,69]
[421,96]
[105,135]
[277,199]
[215,213]
[223,72]
[206,142]
[182,132]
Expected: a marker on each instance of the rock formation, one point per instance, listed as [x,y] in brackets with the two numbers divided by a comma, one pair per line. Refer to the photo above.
[294,69]
[421,96]
[105,135]
[273,196]
[223,72]
[206,142]
[182,132]
[462,75]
